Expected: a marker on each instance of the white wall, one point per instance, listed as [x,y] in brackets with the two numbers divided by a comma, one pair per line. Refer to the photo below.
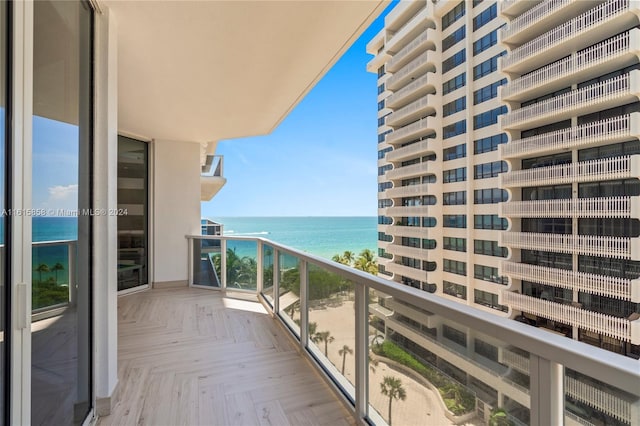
[175,207]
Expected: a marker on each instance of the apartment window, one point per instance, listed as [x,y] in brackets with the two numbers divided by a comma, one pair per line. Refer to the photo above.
[458,151]
[384,220]
[560,125]
[608,305]
[454,106]
[485,349]
[489,221]
[383,186]
[485,17]
[489,196]
[384,237]
[454,175]
[380,88]
[608,76]
[487,299]
[489,143]
[487,92]
[452,16]
[411,262]
[429,244]
[609,113]
[547,292]
[489,273]
[384,203]
[456,198]
[383,169]
[610,151]
[455,37]
[553,192]
[610,227]
[549,160]
[488,118]
[381,121]
[454,335]
[546,97]
[547,258]
[453,61]
[609,266]
[382,152]
[489,170]
[454,244]
[487,67]
[426,200]
[455,129]
[489,248]
[546,225]
[381,71]
[382,135]
[477,2]
[383,254]
[381,105]
[411,242]
[610,188]
[454,221]
[485,42]
[453,84]
[453,289]
[428,222]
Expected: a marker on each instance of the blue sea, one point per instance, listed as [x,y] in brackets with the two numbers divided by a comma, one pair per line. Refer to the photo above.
[322,236]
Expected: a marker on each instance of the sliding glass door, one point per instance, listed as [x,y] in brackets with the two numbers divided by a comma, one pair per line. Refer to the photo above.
[5,218]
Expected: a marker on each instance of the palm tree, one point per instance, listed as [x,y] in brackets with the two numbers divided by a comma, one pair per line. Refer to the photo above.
[326,337]
[392,387]
[57,267]
[348,257]
[343,353]
[366,262]
[40,269]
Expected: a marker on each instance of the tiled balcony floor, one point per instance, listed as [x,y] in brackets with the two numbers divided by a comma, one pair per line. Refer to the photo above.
[192,357]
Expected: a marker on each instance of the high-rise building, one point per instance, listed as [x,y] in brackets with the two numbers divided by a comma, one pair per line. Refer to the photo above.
[508,169]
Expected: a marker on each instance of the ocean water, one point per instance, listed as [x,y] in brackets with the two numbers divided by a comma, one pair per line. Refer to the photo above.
[322,236]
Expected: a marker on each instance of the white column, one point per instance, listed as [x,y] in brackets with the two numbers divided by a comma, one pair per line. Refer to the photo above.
[547,392]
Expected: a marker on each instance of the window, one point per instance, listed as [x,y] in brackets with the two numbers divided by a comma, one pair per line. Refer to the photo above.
[489,170]
[489,196]
[610,151]
[485,349]
[489,143]
[454,335]
[453,61]
[489,273]
[455,129]
[487,92]
[552,192]
[487,67]
[453,289]
[384,220]
[383,186]
[454,106]
[380,88]
[452,16]
[485,42]
[546,225]
[382,135]
[458,151]
[384,237]
[381,71]
[382,152]
[609,188]
[546,258]
[383,203]
[381,105]
[428,222]
[489,248]
[457,198]
[610,227]
[477,2]
[383,169]
[411,262]
[488,118]
[455,37]
[453,84]
[488,299]
[454,221]
[609,266]
[455,244]
[485,16]
[454,175]
[489,221]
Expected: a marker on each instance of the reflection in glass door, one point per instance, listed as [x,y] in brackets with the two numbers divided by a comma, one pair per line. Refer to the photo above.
[61,188]
[133,195]
[4,219]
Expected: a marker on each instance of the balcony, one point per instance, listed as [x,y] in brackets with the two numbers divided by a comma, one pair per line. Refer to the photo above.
[415,252]
[606,94]
[425,146]
[407,271]
[618,328]
[619,288]
[401,211]
[410,191]
[618,247]
[417,129]
[606,56]
[515,7]
[399,231]
[211,177]
[321,306]
[574,207]
[580,32]
[413,170]
[424,41]
[421,19]
[610,130]
[425,105]
[584,171]
[418,87]
[425,62]
[614,404]
[514,359]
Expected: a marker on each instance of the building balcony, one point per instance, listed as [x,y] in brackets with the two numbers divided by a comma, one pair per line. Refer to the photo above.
[618,247]
[618,328]
[401,211]
[421,19]
[425,62]
[417,129]
[606,400]
[211,177]
[406,172]
[514,359]
[424,41]
[573,207]
[425,105]
[418,87]
[599,59]
[426,318]
[424,147]
[596,97]
[610,130]
[584,171]
[407,271]
[398,231]
[589,27]
[410,191]
[619,288]
[515,7]
[414,252]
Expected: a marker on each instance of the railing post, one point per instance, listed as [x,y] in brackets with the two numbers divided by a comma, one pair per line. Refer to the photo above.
[361,351]
[71,259]
[223,263]
[276,281]
[190,260]
[259,267]
[547,391]
[304,306]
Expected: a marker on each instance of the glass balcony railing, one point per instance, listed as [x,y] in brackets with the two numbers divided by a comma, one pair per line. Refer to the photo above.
[53,279]
[400,355]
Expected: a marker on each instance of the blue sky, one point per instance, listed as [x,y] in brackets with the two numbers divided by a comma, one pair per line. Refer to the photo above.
[321,160]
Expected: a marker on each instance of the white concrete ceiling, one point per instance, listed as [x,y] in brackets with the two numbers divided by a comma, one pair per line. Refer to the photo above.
[202,71]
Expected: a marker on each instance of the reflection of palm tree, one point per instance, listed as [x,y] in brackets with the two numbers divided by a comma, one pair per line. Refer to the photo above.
[392,387]
[343,353]
[499,418]
[57,267]
[366,262]
[40,269]
[326,337]
[240,270]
